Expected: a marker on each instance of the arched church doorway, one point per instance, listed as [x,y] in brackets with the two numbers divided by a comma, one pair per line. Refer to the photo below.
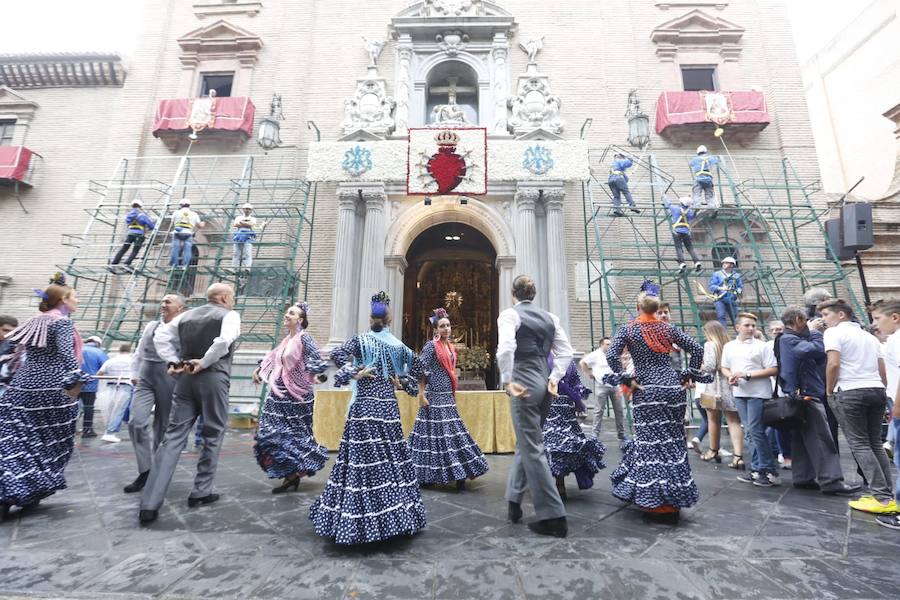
[452,265]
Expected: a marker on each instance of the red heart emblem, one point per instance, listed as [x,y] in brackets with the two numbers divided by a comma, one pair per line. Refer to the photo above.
[447,168]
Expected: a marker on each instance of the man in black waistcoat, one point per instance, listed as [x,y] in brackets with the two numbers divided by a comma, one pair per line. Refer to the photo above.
[205,337]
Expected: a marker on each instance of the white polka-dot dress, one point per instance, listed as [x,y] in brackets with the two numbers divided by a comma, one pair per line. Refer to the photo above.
[37,419]
[285,445]
[372,493]
[568,450]
[654,470]
[443,451]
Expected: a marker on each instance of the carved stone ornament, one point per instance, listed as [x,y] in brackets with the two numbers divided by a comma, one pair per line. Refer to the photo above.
[535,107]
[369,109]
[452,42]
[449,115]
[452,8]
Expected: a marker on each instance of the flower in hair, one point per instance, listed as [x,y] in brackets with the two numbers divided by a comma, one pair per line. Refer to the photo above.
[58,278]
[40,294]
[304,307]
[650,288]
[439,313]
[381,297]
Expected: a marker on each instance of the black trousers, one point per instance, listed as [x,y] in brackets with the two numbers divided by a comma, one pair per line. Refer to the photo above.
[87,401]
[685,240]
[135,241]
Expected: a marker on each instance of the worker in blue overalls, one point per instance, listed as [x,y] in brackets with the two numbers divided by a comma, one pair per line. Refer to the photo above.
[683,215]
[618,184]
[701,167]
[726,286]
[138,224]
[244,235]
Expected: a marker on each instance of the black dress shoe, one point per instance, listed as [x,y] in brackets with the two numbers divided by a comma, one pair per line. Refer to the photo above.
[809,485]
[514,511]
[555,527]
[88,433]
[31,506]
[138,484]
[192,502]
[843,490]
[460,485]
[4,510]
[147,516]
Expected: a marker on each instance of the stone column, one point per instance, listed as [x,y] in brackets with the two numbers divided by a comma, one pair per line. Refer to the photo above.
[395,269]
[500,91]
[345,291]
[526,230]
[401,89]
[371,273]
[506,266]
[557,266]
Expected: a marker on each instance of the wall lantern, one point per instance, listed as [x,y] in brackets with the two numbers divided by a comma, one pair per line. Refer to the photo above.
[638,122]
[269,135]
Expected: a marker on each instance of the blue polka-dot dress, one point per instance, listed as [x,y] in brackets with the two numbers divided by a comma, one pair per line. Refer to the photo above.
[654,471]
[285,445]
[443,451]
[568,450]
[372,493]
[37,418]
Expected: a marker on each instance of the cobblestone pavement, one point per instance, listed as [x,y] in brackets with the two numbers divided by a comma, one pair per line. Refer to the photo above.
[740,542]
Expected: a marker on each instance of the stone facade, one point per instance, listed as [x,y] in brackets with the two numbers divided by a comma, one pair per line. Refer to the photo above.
[592,53]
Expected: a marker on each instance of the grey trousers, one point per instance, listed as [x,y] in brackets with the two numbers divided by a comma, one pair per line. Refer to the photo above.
[860,414]
[150,409]
[608,394]
[530,468]
[203,394]
[815,457]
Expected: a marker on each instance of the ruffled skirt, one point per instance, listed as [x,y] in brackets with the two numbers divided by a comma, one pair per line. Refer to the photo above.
[284,443]
[372,493]
[37,430]
[654,470]
[442,449]
[567,448]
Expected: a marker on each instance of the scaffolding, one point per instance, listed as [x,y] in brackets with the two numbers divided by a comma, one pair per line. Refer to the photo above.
[764,214]
[115,301]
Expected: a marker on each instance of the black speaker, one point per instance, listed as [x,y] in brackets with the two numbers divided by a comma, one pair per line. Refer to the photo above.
[856,219]
[833,231]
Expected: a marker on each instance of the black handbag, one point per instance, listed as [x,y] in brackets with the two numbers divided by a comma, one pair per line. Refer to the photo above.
[785,412]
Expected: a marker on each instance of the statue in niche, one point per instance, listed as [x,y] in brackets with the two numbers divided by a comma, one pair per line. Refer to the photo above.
[532,47]
[450,114]
[373,49]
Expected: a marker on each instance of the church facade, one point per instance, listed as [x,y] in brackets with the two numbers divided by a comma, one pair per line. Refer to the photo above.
[453,143]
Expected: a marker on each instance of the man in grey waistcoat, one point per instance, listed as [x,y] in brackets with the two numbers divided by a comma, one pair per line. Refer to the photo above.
[153,388]
[526,335]
[198,347]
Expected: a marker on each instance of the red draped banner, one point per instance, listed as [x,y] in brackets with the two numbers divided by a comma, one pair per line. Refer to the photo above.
[14,162]
[231,114]
[724,108]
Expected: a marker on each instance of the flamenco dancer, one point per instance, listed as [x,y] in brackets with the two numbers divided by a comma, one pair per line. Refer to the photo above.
[40,406]
[372,493]
[654,473]
[568,450]
[285,446]
[443,451]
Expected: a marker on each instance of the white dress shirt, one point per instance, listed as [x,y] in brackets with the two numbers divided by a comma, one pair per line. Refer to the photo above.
[860,353]
[596,362]
[118,366]
[166,339]
[508,324]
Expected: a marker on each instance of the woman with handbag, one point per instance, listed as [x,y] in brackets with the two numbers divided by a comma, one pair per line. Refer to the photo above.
[717,397]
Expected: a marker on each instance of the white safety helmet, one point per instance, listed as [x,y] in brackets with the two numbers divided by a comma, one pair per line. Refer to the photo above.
[246,206]
[137,203]
[685,200]
[701,149]
[729,259]
[184,202]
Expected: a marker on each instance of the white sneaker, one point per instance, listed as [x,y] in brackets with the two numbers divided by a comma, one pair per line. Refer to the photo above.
[108,437]
[694,445]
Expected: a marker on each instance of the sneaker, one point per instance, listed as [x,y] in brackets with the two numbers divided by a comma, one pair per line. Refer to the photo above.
[635,210]
[767,480]
[694,444]
[698,267]
[748,477]
[891,521]
[871,505]
[618,213]
[889,449]
[681,268]
[108,437]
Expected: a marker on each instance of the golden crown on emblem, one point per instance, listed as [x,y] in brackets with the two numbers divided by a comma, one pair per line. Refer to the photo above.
[447,138]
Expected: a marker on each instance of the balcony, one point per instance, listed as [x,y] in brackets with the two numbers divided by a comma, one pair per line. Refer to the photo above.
[18,165]
[682,116]
[229,119]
